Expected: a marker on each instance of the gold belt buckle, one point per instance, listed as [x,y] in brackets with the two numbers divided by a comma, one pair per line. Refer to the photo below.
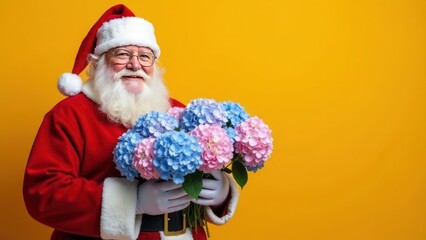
[173,233]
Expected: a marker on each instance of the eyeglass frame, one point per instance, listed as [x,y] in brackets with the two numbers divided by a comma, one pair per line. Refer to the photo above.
[131,55]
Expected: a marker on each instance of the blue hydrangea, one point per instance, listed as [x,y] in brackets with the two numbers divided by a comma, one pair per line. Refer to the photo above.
[176,155]
[203,111]
[235,112]
[123,154]
[231,133]
[254,169]
[153,124]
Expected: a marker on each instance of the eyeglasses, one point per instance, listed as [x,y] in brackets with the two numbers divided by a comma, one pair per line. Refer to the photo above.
[124,56]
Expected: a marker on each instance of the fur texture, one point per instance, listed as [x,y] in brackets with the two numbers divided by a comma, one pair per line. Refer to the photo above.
[118,215]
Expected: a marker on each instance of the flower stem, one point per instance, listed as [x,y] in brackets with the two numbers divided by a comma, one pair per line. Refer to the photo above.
[195,217]
[205,222]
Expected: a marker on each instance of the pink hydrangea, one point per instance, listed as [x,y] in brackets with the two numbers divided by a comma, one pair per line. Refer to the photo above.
[143,157]
[216,144]
[176,112]
[253,141]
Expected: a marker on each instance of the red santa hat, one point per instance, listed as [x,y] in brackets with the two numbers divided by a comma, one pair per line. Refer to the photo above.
[118,26]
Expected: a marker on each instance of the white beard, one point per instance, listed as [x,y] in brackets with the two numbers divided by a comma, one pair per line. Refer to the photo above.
[122,106]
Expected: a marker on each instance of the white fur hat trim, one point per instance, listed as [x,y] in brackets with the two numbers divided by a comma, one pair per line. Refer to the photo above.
[126,31]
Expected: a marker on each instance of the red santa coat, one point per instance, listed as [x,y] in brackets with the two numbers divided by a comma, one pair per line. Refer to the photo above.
[71,183]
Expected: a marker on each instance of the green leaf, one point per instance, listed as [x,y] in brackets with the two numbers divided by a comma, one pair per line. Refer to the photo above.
[227,170]
[193,183]
[239,172]
[237,158]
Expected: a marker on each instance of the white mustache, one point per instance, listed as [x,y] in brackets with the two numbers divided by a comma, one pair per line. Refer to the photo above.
[127,72]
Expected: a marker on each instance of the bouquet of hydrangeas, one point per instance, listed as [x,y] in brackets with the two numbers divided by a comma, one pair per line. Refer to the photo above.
[186,144]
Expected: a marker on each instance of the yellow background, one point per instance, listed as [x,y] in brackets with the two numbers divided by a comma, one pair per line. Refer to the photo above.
[340,83]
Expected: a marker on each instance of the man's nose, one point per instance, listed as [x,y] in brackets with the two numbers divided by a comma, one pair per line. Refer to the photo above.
[134,63]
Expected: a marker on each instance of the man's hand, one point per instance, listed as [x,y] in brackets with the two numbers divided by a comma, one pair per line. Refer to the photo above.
[214,191]
[155,197]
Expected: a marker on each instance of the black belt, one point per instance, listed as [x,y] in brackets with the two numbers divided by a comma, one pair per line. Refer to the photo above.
[154,223]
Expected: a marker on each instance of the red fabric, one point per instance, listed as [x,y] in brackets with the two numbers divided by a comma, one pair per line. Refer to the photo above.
[70,158]
[149,236]
[199,234]
[176,103]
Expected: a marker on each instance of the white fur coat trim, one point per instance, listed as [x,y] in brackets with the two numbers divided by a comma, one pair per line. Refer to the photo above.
[118,215]
[232,206]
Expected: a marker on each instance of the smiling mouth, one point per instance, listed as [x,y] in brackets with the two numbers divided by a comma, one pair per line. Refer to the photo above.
[129,77]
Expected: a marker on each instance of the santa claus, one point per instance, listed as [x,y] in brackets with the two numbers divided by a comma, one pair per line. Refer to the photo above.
[71,183]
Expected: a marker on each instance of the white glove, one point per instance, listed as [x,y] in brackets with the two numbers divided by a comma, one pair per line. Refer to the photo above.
[214,191]
[155,197]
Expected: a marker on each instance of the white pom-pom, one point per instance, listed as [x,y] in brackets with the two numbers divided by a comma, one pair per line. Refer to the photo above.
[70,84]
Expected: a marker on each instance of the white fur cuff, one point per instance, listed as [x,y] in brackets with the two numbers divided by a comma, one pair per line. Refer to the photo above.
[118,215]
[232,206]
